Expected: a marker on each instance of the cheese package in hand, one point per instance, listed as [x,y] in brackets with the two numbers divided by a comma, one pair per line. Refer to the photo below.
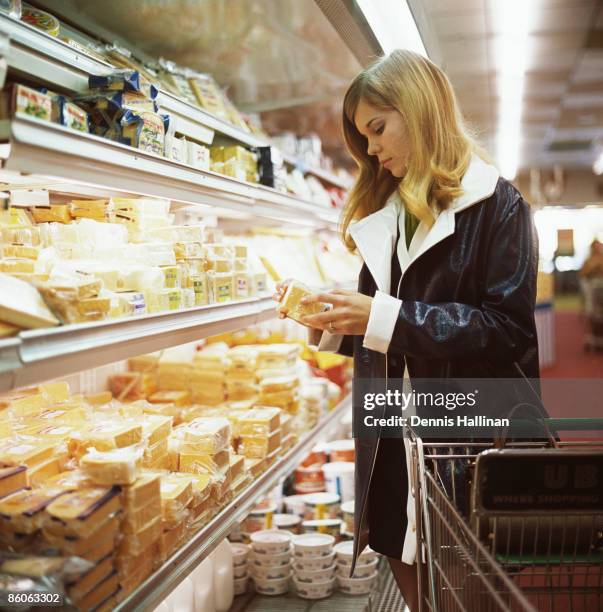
[291,303]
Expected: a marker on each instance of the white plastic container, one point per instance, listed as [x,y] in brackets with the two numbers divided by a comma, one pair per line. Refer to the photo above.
[164,606]
[287,522]
[269,560]
[356,586]
[240,585]
[316,590]
[239,571]
[240,553]
[272,587]
[270,573]
[270,542]
[203,585]
[342,450]
[182,599]
[321,575]
[347,510]
[339,479]
[313,564]
[295,504]
[360,571]
[321,506]
[345,554]
[328,526]
[223,576]
[313,545]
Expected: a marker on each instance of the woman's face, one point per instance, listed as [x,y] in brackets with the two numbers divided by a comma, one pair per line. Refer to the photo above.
[386,135]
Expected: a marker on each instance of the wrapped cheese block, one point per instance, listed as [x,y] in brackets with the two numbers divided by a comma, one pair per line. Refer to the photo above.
[22,305]
[135,543]
[206,435]
[40,473]
[197,463]
[94,546]
[291,303]
[260,446]
[21,452]
[12,479]
[171,539]
[154,453]
[143,492]
[90,580]
[105,436]
[277,356]
[115,467]
[255,466]
[259,421]
[237,467]
[144,363]
[132,385]
[280,384]
[81,513]
[100,594]
[179,398]
[23,511]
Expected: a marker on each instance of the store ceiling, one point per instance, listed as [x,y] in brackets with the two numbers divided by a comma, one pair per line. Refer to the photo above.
[283,58]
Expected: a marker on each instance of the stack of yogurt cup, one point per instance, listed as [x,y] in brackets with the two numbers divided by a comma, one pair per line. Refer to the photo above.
[365,572]
[240,554]
[270,561]
[314,565]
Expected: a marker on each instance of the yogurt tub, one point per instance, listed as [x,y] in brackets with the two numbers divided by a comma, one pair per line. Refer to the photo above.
[270,573]
[360,571]
[295,504]
[272,587]
[260,560]
[313,564]
[259,519]
[316,590]
[345,554]
[322,506]
[240,585]
[287,522]
[356,586]
[320,575]
[330,527]
[240,552]
[270,542]
[342,450]
[313,545]
[347,510]
[239,571]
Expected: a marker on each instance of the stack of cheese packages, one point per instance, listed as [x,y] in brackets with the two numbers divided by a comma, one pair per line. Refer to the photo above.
[235,161]
[203,448]
[259,435]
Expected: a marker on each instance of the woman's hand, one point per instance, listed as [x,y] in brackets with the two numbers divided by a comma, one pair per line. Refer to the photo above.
[349,315]
[280,290]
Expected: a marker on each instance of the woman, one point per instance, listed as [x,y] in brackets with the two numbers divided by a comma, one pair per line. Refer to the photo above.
[453,297]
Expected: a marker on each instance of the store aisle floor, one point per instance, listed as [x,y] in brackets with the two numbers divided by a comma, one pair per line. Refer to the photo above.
[571,360]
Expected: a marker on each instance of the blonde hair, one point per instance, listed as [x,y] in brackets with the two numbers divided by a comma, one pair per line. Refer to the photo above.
[440,146]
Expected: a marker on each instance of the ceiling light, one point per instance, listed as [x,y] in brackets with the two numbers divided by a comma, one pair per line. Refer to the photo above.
[393,25]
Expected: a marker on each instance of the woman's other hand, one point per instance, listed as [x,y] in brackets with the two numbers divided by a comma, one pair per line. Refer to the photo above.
[349,313]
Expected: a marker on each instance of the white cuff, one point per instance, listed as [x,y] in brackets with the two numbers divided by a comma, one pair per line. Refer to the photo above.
[330,343]
[381,323]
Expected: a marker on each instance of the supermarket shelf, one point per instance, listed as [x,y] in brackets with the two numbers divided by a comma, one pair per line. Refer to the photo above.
[317,172]
[36,54]
[43,148]
[38,355]
[160,584]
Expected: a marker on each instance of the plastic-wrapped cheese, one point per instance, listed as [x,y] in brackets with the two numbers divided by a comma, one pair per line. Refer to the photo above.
[261,446]
[22,305]
[116,467]
[259,421]
[207,435]
[200,463]
[23,512]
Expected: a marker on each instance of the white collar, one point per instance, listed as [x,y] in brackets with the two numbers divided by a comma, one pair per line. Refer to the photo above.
[375,235]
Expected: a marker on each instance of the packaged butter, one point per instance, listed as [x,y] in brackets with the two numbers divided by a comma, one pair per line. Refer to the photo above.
[188,250]
[156,428]
[179,398]
[144,131]
[259,422]
[12,479]
[117,467]
[208,94]
[206,435]
[21,452]
[132,385]
[198,155]
[243,285]
[27,101]
[171,276]
[260,446]
[142,492]
[99,542]
[91,579]
[69,114]
[260,283]
[220,265]
[200,286]
[23,511]
[81,513]
[163,299]
[131,303]
[199,463]
[221,287]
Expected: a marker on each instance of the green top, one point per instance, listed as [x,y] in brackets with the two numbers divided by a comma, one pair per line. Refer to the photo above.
[410,226]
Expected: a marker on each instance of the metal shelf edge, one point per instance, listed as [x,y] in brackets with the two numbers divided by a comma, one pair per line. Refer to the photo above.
[162,582]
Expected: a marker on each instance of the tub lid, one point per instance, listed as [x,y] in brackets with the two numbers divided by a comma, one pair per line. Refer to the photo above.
[314,499]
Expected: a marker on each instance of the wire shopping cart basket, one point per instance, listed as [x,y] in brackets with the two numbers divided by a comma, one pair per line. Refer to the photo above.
[514,529]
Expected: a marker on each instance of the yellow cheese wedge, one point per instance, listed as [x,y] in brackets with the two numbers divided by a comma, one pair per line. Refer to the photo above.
[97,545]
[38,475]
[25,453]
[259,421]
[115,467]
[90,579]
[171,540]
[144,363]
[80,513]
[156,428]
[261,446]
[12,479]
[179,398]
[206,435]
[135,543]
[176,494]
[23,512]
[135,521]
[198,463]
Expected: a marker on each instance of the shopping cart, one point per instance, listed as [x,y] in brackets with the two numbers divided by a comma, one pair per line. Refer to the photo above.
[492,545]
[593,310]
